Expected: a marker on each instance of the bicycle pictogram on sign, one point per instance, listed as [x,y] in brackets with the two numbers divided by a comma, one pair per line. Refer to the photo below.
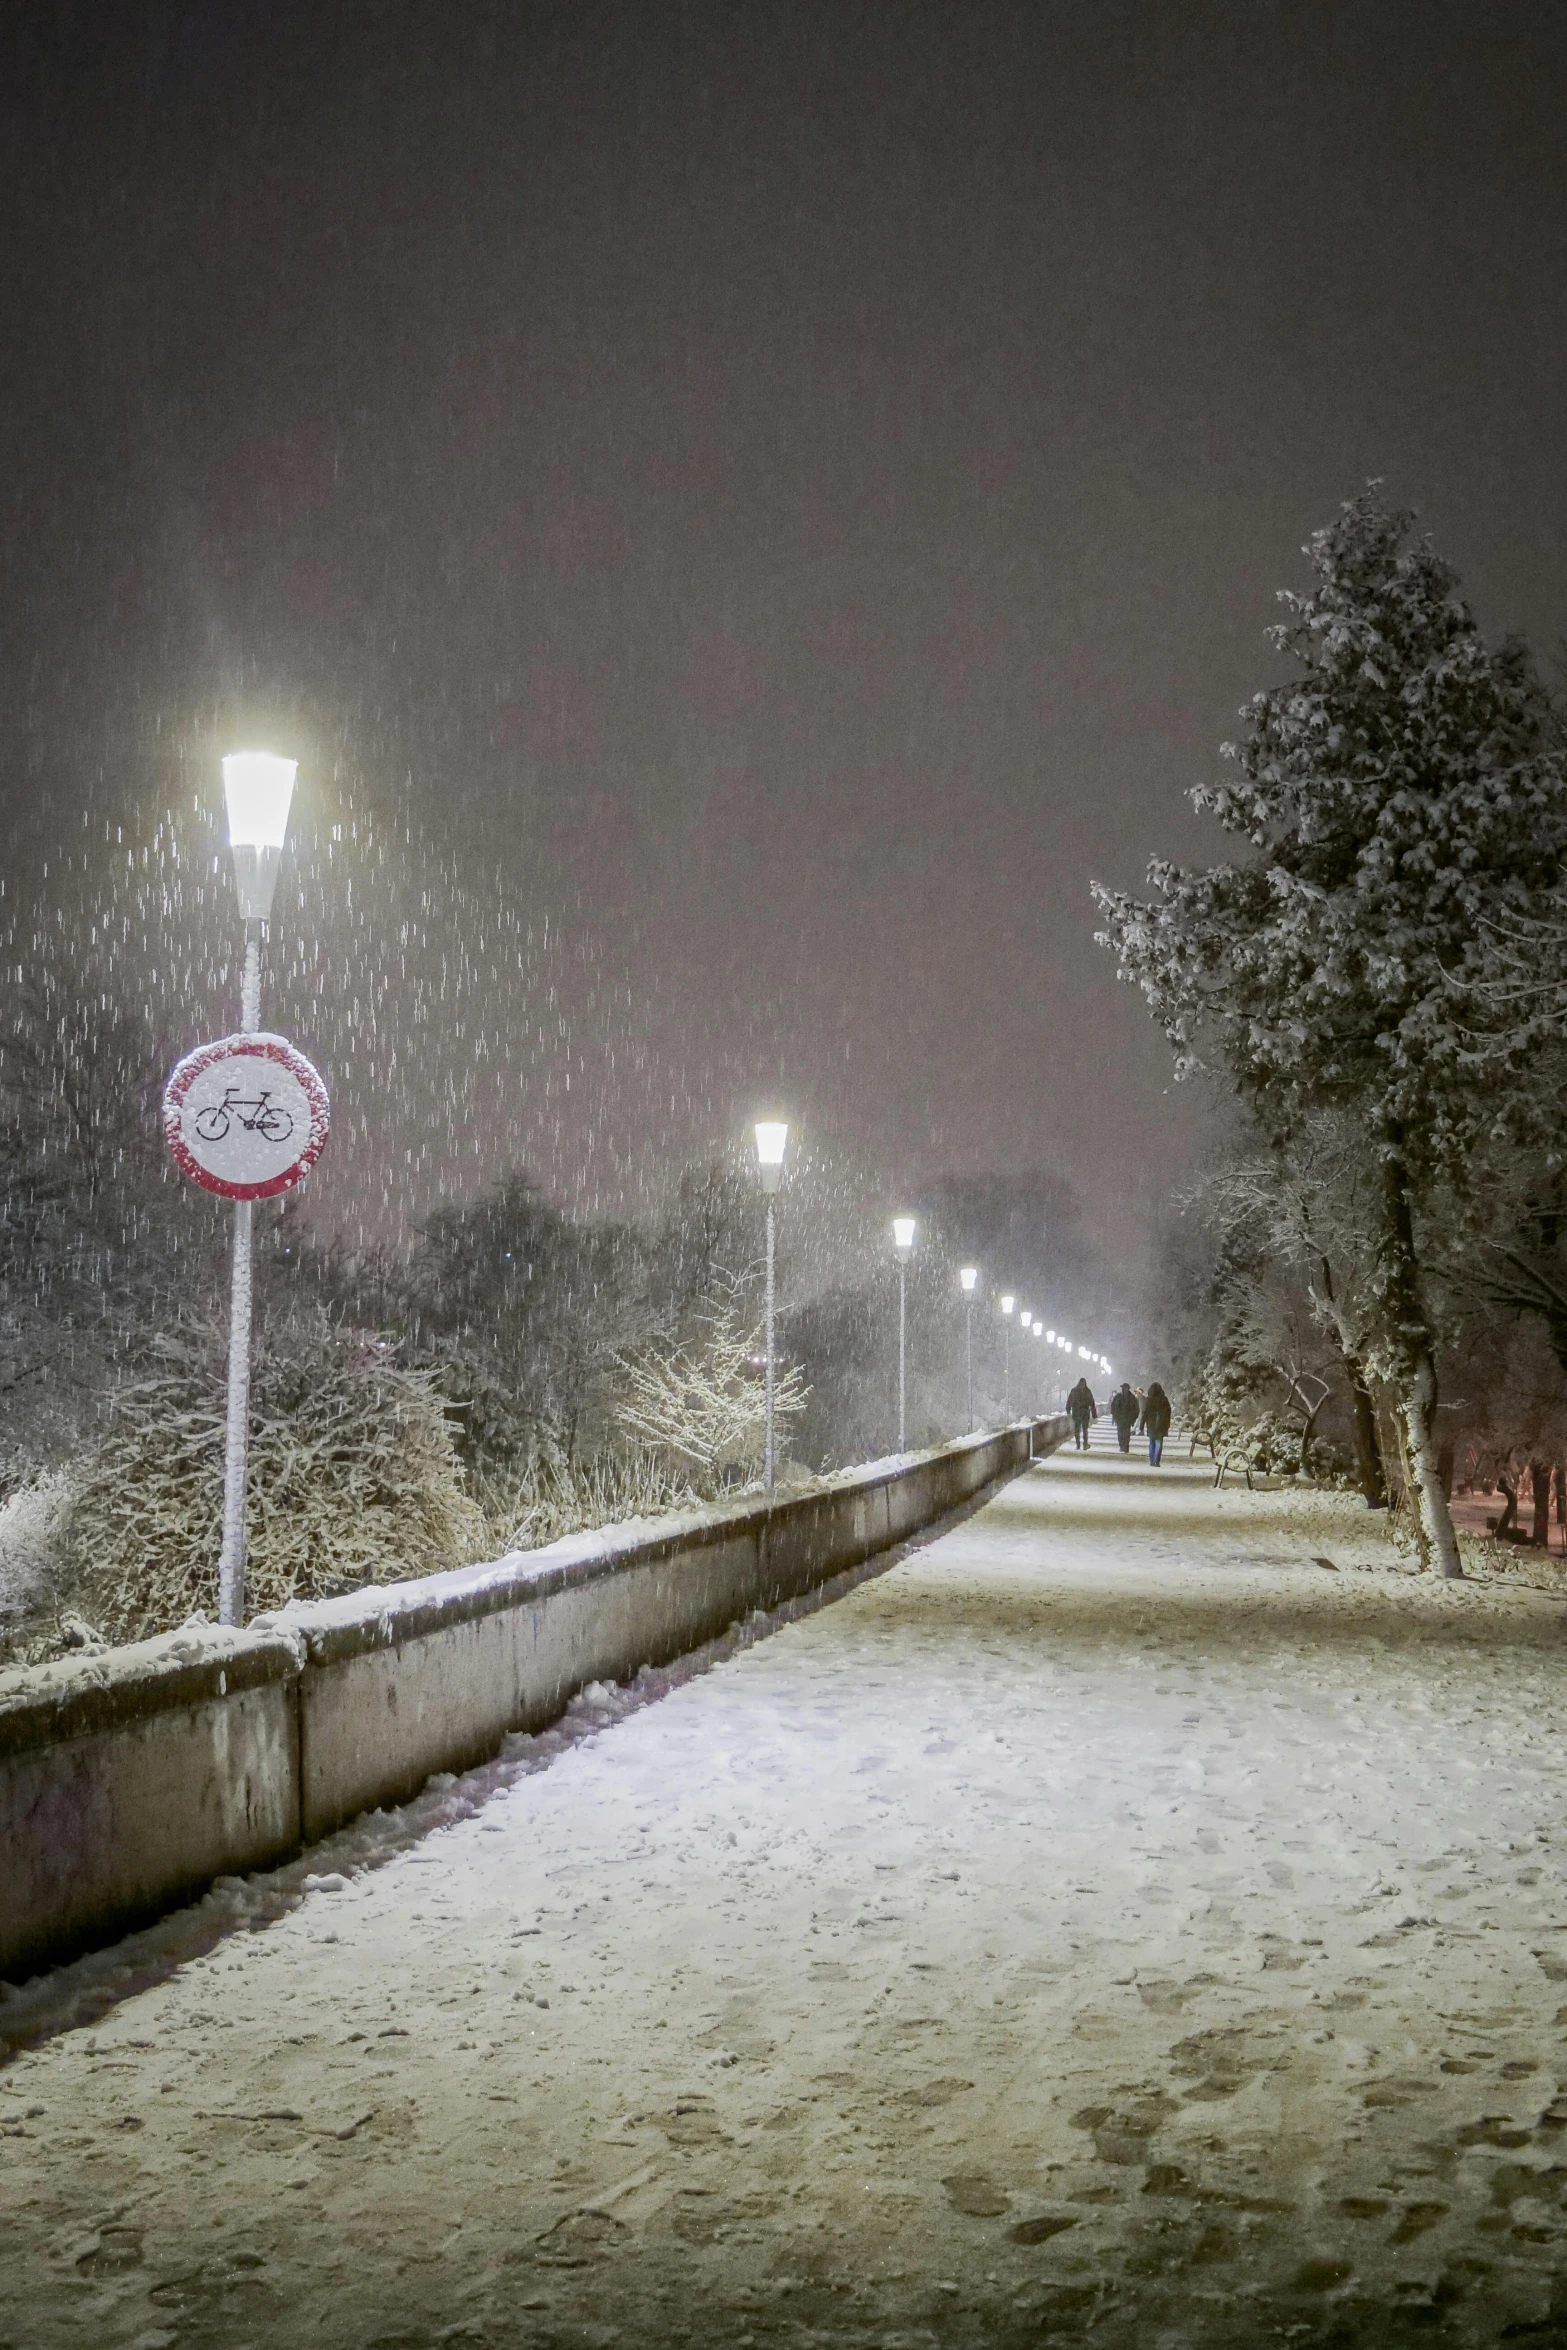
[246,1117]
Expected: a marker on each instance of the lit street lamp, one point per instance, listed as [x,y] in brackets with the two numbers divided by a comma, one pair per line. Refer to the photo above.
[257,789]
[968,1276]
[903,1243]
[1007,1303]
[771,1135]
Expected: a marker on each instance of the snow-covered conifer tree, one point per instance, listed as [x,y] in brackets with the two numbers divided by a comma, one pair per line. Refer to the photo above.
[1403,786]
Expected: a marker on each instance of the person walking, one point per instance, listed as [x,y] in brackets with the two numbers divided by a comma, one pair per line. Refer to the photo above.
[1084,1411]
[1156,1419]
[1123,1411]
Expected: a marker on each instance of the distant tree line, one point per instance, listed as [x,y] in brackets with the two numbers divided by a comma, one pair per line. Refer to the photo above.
[1378,981]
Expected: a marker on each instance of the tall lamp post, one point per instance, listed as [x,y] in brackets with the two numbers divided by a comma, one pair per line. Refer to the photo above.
[1007,1304]
[903,1243]
[969,1275]
[257,789]
[771,1135]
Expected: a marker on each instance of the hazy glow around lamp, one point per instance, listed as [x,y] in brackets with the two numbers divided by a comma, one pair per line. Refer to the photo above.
[771,1136]
[257,790]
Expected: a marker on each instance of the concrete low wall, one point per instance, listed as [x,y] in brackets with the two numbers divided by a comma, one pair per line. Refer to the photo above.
[129,1781]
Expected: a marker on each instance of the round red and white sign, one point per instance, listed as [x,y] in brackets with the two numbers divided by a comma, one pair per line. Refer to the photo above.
[246,1117]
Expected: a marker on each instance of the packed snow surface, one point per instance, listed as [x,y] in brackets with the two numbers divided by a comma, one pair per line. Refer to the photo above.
[1110,1923]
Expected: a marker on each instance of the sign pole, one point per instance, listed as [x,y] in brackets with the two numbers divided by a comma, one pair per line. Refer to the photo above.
[231,1560]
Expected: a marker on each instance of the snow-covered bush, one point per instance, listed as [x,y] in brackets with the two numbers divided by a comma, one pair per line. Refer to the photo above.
[701,1405]
[554,1496]
[354,1478]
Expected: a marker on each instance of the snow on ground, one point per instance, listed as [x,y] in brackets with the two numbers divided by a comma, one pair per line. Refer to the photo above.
[1108,1924]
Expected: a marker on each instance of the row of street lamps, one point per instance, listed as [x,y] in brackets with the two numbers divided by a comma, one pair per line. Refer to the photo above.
[772,1137]
[258,788]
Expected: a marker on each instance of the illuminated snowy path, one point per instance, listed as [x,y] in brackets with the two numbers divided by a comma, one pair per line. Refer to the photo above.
[1107,1923]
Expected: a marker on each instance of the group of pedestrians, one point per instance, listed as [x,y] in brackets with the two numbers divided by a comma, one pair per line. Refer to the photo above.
[1129,1408]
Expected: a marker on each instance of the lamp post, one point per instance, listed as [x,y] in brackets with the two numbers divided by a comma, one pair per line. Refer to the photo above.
[968,1275]
[1007,1303]
[771,1135]
[1039,1333]
[257,789]
[903,1243]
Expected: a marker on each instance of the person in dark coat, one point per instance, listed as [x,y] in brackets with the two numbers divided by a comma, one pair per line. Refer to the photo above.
[1083,1410]
[1156,1419]
[1123,1411]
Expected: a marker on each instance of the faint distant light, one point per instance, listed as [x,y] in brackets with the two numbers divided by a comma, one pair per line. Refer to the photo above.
[1050,1338]
[903,1234]
[1084,1354]
[968,1275]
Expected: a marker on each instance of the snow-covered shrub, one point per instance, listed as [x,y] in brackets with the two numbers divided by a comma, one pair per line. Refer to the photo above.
[354,1478]
[701,1405]
[30,1519]
[554,1496]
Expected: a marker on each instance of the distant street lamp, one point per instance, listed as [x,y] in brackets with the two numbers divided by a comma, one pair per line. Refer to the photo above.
[903,1243]
[968,1276]
[257,789]
[771,1135]
[1007,1303]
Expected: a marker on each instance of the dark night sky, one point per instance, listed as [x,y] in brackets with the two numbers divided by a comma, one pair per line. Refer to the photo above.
[794,491]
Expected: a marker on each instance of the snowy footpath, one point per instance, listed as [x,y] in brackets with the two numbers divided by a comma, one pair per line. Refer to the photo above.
[1108,1924]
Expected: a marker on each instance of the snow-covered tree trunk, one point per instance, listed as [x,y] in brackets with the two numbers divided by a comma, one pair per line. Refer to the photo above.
[1414,1365]
[1373,1477]
[1540,1488]
[1438,1536]
[1368,1453]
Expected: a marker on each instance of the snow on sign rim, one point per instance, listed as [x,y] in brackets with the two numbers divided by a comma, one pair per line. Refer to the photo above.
[246,1117]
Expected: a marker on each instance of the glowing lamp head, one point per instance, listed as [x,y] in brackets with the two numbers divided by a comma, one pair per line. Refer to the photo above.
[1039,1330]
[1050,1338]
[903,1237]
[968,1275]
[1083,1355]
[257,790]
[771,1135]
[1025,1317]
[1007,1303]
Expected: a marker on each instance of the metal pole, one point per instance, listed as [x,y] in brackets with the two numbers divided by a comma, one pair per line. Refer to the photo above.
[902,1351]
[1006,1371]
[772,1236]
[968,1348]
[231,1562]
